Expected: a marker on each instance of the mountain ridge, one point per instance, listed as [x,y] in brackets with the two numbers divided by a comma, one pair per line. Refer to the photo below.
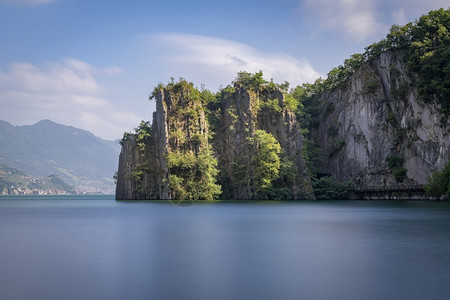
[16,182]
[79,157]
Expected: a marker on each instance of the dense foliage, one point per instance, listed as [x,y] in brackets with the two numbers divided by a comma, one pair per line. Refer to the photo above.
[192,165]
[309,113]
[439,183]
[425,45]
[326,188]
[282,188]
[193,177]
[249,80]
[266,160]
[395,163]
[143,134]
[142,138]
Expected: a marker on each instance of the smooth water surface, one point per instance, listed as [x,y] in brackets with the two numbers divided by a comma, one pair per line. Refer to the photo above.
[73,248]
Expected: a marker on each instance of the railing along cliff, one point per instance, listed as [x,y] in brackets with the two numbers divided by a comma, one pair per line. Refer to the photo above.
[416,191]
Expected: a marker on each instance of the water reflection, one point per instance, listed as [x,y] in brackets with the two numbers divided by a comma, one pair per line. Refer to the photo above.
[305,250]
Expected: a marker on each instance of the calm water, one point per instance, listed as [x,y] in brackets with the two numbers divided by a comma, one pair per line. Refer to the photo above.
[73,248]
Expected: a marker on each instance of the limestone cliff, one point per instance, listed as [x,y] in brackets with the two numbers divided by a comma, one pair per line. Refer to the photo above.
[172,158]
[132,180]
[244,112]
[245,142]
[257,147]
[375,131]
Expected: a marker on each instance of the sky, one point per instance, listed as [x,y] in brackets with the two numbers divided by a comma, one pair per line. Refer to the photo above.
[92,64]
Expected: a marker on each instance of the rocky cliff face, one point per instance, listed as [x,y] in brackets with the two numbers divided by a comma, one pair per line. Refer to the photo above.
[175,160]
[244,112]
[170,153]
[142,173]
[374,131]
[128,186]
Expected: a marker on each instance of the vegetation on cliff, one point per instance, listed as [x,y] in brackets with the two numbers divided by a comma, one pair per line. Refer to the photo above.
[266,159]
[191,164]
[263,166]
[309,114]
[193,177]
[424,45]
[439,183]
[244,124]
[234,143]
[141,140]
[326,188]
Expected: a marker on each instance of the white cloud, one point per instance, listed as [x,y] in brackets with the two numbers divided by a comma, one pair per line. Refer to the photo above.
[356,18]
[360,20]
[72,76]
[215,61]
[408,10]
[67,93]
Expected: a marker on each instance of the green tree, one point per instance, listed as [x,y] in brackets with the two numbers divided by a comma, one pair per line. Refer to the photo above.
[395,163]
[156,90]
[283,187]
[425,45]
[326,188]
[193,177]
[267,160]
[439,183]
[249,80]
[143,134]
[271,105]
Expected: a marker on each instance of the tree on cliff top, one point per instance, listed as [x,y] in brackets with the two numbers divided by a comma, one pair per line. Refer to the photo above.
[425,45]
[249,80]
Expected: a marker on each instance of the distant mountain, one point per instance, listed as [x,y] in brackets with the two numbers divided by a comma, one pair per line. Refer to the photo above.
[13,182]
[77,156]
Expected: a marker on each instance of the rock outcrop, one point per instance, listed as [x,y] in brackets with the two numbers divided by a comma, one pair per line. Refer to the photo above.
[176,159]
[179,131]
[374,131]
[245,142]
[244,112]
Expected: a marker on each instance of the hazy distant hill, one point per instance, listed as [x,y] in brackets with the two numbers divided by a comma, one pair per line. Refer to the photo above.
[45,148]
[13,182]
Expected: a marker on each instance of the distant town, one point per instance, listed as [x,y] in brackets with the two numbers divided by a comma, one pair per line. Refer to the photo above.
[14,183]
[33,162]
[81,190]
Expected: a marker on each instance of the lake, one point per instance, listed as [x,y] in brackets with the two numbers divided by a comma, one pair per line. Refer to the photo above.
[92,247]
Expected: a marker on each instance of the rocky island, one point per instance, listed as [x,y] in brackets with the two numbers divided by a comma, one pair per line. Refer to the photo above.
[380,119]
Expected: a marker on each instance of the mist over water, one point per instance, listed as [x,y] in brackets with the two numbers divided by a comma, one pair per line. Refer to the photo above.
[74,248]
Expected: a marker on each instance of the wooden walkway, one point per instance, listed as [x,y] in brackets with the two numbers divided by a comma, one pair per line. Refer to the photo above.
[406,192]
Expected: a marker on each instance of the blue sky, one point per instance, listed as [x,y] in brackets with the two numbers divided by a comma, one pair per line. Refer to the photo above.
[92,64]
